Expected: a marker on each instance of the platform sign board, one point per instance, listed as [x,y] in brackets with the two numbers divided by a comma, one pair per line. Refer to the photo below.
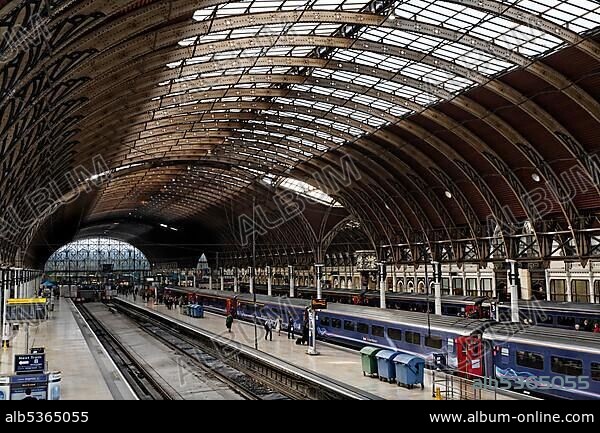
[26,312]
[30,387]
[21,301]
[28,364]
[37,350]
[319,304]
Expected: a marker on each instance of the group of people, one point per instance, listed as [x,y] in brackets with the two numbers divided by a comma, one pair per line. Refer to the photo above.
[171,302]
[588,326]
[277,325]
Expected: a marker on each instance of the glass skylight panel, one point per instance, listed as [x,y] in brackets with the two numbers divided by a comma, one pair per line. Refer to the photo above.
[213,37]
[306,190]
[174,65]
[502,31]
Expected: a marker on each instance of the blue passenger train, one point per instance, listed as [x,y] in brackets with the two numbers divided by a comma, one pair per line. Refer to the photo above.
[549,362]
[552,314]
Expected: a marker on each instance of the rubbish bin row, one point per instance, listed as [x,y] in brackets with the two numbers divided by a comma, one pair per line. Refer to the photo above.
[393,366]
[193,310]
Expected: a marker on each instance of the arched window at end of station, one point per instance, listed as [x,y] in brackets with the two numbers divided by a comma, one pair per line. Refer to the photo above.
[98,261]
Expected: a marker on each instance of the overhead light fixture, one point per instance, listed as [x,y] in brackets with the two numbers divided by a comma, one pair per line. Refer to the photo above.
[448,194]
[164,226]
[536,177]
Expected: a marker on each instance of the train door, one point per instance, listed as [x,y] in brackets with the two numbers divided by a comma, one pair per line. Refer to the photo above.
[470,355]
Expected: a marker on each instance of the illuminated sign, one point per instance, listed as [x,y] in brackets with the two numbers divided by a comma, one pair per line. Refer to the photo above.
[319,304]
[27,301]
[33,363]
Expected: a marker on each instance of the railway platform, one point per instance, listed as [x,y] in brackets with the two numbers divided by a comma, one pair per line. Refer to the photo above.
[335,362]
[71,348]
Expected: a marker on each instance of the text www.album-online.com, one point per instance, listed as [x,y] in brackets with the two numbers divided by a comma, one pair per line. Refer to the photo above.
[534,417]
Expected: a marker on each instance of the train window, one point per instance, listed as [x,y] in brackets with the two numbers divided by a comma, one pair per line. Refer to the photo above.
[336,323]
[580,291]
[546,319]
[362,328]
[433,341]
[377,331]
[597,291]
[570,367]
[349,325]
[595,371]
[412,337]
[394,334]
[471,286]
[558,290]
[530,360]
[566,321]
[324,321]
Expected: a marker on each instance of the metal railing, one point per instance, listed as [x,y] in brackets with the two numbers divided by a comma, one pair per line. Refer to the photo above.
[451,387]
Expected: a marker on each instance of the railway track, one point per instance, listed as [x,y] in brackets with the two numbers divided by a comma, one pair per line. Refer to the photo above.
[263,376]
[141,380]
[244,384]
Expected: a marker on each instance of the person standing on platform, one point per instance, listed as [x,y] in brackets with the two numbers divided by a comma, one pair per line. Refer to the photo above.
[278,325]
[229,322]
[291,328]
[268,331]
[305,334]
[28,395]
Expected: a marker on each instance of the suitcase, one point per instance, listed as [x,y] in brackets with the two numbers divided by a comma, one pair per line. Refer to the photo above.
[299,340]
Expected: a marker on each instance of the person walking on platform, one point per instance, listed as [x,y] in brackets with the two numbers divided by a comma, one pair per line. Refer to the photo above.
[278,325]
[268,331]
[290,328]
[229,322]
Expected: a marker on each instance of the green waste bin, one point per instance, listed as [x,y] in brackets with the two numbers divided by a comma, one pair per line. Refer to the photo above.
[369,361]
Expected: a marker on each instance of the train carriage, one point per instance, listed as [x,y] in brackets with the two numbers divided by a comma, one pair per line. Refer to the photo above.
[561,363]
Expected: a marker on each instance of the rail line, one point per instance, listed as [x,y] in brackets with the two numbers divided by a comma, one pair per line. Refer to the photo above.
[221,354]
[141,380]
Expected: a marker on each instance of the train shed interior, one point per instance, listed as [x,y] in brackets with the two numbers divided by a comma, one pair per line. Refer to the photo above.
[418,177]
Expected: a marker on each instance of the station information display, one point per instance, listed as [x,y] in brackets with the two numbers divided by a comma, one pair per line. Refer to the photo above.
[31,363]
[319,304]
[23,310]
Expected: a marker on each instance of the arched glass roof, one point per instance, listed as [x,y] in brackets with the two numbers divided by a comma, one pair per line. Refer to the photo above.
[452,110]
[92,254]
[278,82]
[371,63]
